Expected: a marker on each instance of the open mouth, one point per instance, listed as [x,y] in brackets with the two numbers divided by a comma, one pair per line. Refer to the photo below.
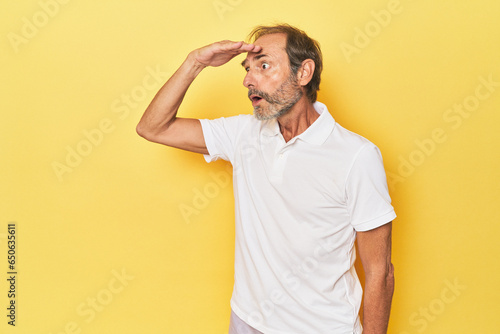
[255,99]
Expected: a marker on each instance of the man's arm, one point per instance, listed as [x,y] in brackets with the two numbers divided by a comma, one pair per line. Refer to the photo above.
[374,249]
[160,123]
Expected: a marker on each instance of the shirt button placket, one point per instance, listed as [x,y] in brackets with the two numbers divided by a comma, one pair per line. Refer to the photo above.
[279,167]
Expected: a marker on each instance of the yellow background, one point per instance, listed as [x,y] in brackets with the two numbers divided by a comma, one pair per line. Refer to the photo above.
[87,65]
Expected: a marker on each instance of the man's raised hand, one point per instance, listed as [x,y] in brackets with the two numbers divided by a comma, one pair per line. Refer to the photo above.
[219,53]
[160,123]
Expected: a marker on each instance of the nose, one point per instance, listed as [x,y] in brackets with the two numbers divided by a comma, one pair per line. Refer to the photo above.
[249,80]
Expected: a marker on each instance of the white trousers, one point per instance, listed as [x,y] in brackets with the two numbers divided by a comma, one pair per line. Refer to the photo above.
[238,326]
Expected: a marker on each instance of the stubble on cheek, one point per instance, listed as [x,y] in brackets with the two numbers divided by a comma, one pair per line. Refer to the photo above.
[280,102]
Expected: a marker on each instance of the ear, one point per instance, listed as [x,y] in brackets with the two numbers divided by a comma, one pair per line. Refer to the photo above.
[305,72]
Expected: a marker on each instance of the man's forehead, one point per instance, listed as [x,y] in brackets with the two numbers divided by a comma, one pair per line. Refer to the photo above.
[271,44]
[271,39]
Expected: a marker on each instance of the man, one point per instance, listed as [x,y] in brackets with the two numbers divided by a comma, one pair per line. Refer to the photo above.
[305,189]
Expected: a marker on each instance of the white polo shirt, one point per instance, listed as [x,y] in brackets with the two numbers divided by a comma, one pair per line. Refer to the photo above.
[298,206]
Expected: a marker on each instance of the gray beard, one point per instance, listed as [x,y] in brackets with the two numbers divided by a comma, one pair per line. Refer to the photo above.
[280,102]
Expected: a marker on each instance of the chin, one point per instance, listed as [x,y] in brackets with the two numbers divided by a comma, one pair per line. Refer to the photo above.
[257,112]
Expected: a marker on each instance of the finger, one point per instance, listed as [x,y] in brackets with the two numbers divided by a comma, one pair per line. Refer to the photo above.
[245,47]
[240,47]
[229,45]
[250,47]
[236,48]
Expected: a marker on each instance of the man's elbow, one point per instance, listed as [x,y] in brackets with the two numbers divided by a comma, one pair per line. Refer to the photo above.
[141,130]
[146,132]
[152,131]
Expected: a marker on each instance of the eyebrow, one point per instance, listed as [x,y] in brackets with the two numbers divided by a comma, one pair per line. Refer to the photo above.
[257,57]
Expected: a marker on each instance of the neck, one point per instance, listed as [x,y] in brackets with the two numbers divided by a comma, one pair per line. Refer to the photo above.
[298,119]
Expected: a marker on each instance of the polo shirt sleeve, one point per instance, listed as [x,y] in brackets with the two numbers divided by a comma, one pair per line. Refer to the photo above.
[368,200]
[220,137]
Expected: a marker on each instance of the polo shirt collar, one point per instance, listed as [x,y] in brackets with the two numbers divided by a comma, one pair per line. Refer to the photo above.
[316,133]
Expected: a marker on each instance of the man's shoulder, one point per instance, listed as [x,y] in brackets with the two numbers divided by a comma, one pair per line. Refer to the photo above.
[340,137]
[351,140]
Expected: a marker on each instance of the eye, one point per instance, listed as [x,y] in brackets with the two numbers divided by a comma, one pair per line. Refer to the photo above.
[265,66]
[247,69]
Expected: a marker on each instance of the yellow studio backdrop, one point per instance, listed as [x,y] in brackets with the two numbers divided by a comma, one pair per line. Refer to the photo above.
[117,235]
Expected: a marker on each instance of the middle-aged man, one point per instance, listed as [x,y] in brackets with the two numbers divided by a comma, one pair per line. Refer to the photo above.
[305,189]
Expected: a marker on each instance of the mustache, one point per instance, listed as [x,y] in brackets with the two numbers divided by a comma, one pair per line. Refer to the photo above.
[262,94]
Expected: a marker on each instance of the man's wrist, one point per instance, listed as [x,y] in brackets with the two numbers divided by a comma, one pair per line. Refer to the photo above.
[194,65]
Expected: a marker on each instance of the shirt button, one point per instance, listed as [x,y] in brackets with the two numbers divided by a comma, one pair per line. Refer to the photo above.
[281,155]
